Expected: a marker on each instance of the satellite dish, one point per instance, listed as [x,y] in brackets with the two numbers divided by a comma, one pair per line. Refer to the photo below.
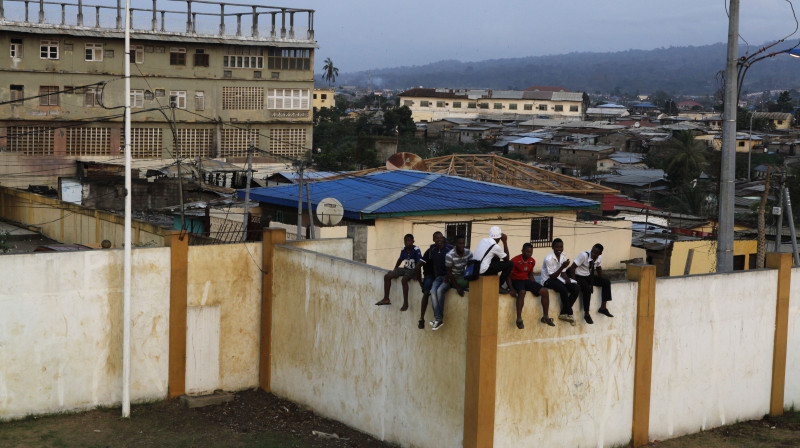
[406,161]
[329,212]
[636,124]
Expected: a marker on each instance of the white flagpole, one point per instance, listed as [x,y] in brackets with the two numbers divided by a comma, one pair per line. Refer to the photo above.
[126,291]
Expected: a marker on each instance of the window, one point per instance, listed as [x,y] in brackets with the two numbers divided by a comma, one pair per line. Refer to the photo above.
[288,99]
[137,54]
[200,58]
[194,142]
[456,104]
[440,104]
[408,103]
[177,98]
[324,96]
[177,56]
[88,141]
[741,143]
[48,95]
[541,231]
[573,108]
[497,105]
[137,98]
[48,49]
[17,92]
[484,105]
[145,143]
[94,52]
[16,48]
[243,57]
[542,107]
[289,59]
[424,103]
[257,74]
[315,96]
[471,105]
[92,97]
[235,142]
[558,108]
[512,106]
[780,121]
[453,229]
[31,141]
[288,142]
[242,98]
[199,100]
[528,107]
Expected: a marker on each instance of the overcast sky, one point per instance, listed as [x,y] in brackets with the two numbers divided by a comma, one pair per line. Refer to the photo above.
[367,34]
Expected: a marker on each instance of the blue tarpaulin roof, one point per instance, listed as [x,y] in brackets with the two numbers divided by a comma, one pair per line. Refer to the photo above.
[404,192]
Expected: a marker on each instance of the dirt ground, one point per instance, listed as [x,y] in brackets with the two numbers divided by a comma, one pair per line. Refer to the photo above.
[253,419]
[256,419]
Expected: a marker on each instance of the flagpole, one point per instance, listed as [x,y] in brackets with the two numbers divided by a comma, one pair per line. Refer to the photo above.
[126,288]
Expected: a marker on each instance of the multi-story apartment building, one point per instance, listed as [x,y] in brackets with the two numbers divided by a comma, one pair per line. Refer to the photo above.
[62,86]
[436,104]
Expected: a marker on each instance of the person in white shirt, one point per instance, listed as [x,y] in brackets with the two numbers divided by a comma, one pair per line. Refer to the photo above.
[588,274]
[494,259]
[554,276]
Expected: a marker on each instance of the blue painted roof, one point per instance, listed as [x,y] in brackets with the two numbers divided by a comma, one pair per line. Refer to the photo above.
[645,105]
[404,192]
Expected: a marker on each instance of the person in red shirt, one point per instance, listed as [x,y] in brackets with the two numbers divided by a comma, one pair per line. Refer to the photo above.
[523,280]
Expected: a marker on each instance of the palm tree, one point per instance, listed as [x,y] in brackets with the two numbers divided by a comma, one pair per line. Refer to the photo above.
[330,72]
[685,161]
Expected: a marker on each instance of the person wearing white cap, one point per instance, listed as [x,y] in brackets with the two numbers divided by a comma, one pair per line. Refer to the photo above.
[494,259]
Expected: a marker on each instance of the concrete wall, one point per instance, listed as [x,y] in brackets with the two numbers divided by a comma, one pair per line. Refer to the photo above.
[229,276]
[60,332]
[335,247]
[367,366]
[792,390]
[70,223]
[712,351]
[565,385]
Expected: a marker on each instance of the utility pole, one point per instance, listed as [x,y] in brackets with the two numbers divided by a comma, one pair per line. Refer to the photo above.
[779,224]
[300,201]
[127,254]
[761,244]
[177,155]
[750,146]
[788,200]
[728,164]
[249,177]
[310,213]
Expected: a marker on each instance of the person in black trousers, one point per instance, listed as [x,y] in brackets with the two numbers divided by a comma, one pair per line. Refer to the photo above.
[588,273]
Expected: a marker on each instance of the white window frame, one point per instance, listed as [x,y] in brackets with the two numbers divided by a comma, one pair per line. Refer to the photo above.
[137,98]
[199,100]
[93,52]
[91,98]
[177,50]
[178,98]
[242,61]
[48,49]
[16,50]
[137,51]
[289,99]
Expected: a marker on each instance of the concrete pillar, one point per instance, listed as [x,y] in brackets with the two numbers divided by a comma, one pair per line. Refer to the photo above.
[643,368]
[115,137]
[358,233]
[178,283]
[783,263]
[480,381]
[272,237]
[59,142]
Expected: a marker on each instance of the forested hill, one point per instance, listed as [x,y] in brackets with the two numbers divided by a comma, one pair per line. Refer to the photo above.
[679,70]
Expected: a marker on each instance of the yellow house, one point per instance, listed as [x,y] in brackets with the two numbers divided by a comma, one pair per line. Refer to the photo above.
[744,143]
[704,256]
[324,98]
[380,208]
[780,120]
[437,104]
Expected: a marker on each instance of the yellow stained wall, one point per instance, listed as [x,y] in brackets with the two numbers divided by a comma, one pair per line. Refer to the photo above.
[385,238]
[432,112]
[328,101]
[704,259]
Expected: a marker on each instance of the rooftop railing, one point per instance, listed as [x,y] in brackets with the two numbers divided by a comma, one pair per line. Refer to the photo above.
[208,18]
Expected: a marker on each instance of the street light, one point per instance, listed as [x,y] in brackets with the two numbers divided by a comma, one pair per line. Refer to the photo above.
[733,90]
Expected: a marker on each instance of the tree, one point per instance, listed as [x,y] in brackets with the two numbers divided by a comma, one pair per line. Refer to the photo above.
[398,121]
[785,102]
[685,160]
[329,72]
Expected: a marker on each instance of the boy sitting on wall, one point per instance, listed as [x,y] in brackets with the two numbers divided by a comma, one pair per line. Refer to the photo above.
[411,258]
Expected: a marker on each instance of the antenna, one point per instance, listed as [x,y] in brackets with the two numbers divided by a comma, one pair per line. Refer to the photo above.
[330,211]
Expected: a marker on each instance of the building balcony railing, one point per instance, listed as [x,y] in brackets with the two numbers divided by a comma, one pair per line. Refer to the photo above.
[208,18]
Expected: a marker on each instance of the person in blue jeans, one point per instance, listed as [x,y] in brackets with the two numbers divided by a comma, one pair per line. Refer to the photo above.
[433,267]
[455,262]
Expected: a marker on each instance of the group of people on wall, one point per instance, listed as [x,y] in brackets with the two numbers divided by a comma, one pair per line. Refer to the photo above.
[443,266]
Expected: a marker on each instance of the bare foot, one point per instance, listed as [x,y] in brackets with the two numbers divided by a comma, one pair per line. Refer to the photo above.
[404,307]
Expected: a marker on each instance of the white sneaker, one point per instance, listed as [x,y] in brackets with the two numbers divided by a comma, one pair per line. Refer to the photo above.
[437,325]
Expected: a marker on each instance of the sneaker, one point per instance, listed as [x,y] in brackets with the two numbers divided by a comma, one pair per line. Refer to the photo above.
[421,324]
[432,323]
[504,290]
[565,317]
[520,324]
[437,325]
[588,319]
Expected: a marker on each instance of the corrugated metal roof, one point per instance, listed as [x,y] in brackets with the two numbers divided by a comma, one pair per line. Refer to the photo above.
[507,94]
[567,96]
[399,193]
[526,141]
